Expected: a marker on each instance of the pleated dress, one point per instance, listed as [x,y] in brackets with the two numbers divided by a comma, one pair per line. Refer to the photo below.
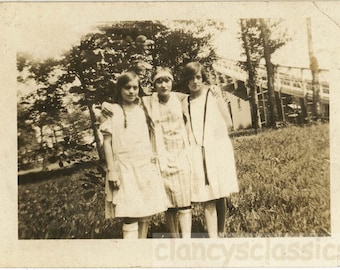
[172,145]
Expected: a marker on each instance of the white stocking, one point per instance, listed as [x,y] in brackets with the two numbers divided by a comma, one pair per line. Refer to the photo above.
[185,220]
[130,231]
[211,218]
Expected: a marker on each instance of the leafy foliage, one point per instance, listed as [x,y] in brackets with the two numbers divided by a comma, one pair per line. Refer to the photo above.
[284,191]
[260,38]
[277,37]
[60,127]
[27,143]
[102,56]
[87,73]
[39,109]
[249,36]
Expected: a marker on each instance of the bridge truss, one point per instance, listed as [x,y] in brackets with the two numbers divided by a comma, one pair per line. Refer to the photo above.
[293,87]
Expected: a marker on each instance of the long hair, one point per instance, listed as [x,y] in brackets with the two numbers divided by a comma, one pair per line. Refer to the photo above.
[122,80]
[189,72]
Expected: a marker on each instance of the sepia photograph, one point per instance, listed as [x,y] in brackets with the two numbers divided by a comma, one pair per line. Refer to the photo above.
[182,134]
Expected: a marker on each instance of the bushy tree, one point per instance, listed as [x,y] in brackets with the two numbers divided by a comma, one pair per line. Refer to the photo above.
[93,66]
[85,76]
[40,108]
[46,121]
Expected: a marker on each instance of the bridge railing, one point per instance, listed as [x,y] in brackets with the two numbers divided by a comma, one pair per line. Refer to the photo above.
[295,81]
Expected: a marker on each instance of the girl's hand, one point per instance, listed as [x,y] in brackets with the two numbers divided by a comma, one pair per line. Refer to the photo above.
[114,184]
[216,91]
[113,181]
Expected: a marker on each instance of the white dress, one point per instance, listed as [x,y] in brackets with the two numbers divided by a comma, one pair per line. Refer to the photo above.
[219,153]
[141,192]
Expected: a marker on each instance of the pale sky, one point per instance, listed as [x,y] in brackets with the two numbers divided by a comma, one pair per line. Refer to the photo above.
[51,32]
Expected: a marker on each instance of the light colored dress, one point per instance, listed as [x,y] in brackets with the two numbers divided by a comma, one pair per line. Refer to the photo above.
[171,143]
[141,192]
[219,154]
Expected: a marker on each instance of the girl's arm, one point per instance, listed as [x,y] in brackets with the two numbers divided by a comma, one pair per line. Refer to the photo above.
[222,107]
[112,174]
[181,96]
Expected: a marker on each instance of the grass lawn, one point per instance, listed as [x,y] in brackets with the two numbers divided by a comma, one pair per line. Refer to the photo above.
[284,184]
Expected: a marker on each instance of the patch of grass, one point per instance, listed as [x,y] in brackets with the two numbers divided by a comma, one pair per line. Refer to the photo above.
[284,183]
[64,208]
[284,191]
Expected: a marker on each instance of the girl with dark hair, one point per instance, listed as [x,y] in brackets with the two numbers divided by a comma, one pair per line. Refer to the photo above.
[214,173]
[134,188]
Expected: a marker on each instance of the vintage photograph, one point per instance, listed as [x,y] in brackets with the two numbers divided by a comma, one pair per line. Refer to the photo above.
[205,138]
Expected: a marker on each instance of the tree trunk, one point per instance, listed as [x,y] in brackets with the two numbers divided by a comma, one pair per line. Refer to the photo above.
[270,75]
[313,63]
[251,75]
[44,163]
[100,149]
[55,140]
[95,133]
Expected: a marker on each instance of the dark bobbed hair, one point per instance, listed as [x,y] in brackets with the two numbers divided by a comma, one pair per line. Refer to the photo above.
[189,71]
[122,80]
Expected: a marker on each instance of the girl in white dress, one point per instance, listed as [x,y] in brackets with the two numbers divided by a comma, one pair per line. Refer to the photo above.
[214,176]
[134,188]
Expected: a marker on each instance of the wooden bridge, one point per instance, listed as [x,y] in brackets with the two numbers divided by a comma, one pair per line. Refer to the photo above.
[295,81]
[291,83]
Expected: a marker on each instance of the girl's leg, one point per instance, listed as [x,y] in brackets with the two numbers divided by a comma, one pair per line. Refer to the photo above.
[172,222]
[221,216]
[143,226]
[211,218]
[130,228]
[185,220]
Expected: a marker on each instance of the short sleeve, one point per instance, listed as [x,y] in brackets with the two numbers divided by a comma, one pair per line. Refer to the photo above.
[106,120]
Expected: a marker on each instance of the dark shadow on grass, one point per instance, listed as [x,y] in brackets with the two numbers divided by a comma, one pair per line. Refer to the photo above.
[35,177]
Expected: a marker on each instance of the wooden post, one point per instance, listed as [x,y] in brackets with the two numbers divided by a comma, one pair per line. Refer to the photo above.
[264,105]
[303,100]
[278,82]
[259,123]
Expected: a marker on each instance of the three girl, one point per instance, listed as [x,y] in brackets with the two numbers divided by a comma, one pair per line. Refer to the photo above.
[189,135]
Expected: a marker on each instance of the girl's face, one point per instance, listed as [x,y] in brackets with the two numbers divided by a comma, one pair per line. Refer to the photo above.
[163,86]
[130,91]
[196,82]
